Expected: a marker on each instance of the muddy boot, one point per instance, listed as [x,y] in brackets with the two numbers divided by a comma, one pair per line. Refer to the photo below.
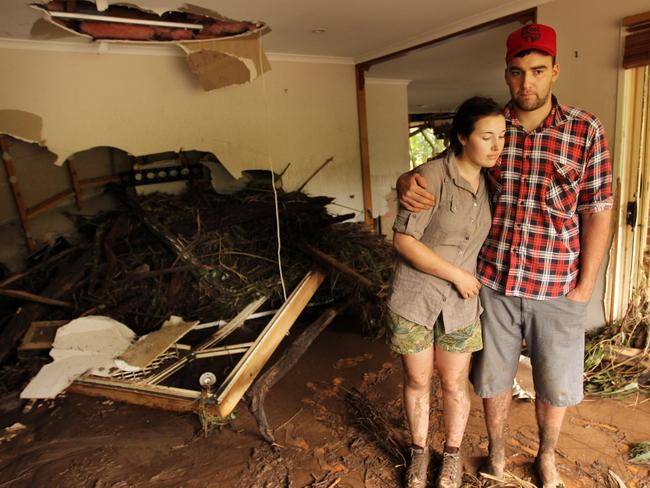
[416,475]
[451,472]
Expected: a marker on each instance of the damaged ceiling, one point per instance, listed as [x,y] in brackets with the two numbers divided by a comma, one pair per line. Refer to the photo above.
[385,27]
[296,28]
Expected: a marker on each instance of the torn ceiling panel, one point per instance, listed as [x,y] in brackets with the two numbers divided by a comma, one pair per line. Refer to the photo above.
[220,51]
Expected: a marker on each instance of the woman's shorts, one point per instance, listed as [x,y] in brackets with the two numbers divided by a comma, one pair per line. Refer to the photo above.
[406,337]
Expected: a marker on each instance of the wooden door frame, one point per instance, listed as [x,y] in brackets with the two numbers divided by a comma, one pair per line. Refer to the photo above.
[529,15]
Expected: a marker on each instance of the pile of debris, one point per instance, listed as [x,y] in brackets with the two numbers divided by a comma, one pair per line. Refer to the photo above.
[617,357]
[205,257]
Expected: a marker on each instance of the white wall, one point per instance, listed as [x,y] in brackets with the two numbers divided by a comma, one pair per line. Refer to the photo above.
[388,146]
[589,54]
[589,50]
[299,113]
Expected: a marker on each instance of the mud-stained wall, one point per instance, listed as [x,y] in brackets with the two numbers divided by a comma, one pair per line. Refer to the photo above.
[298,113]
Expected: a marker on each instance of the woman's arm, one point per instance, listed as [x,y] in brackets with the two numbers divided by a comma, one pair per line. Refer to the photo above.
[427,261]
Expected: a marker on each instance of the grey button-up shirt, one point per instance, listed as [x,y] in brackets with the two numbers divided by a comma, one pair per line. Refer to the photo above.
[455,229]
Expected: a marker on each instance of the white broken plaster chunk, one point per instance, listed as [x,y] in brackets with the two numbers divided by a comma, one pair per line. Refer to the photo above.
[85,344]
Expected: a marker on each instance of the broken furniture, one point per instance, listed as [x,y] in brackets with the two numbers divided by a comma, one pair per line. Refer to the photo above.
[145,387]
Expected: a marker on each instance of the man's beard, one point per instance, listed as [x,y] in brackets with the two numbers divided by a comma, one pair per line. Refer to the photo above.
[530,104]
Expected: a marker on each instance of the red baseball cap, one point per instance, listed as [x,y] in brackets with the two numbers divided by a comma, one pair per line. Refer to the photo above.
[537,37]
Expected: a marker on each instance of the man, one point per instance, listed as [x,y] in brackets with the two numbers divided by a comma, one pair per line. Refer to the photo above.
[551,221]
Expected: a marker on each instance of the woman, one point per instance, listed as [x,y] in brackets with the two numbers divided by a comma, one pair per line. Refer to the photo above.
[434,306]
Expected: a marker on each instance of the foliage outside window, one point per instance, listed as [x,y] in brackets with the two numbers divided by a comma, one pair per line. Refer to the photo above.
[424,145]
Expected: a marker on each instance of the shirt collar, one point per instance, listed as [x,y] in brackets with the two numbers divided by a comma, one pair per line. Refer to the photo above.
[452,172]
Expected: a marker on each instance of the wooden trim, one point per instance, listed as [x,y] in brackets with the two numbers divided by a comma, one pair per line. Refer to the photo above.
[23,213]
[360,69]
[74,180]
[162,397]
[529,15]
[634,20]
[241,377]
[363,144]
[48,203]
[99,181]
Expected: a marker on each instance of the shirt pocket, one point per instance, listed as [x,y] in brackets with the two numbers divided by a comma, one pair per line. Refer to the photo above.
[447,217]
[562,192]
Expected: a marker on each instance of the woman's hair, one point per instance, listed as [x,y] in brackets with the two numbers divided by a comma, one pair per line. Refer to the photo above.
[467,114]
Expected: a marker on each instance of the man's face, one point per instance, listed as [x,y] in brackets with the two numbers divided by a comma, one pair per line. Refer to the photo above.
[530,79]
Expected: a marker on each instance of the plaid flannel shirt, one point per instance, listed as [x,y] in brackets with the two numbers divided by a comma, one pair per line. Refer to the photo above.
[544,180]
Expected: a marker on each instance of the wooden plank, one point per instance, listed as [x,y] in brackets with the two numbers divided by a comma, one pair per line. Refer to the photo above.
[30,297]
[342,267]
[18,197]
[144,352]
[363,144]
[161,397]
[39,336]
[288,360]
[99,181]
[48,203]
[223,350]
[241,377]
[74,180]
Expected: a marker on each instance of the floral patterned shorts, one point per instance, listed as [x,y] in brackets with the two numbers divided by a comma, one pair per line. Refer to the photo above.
[406,337]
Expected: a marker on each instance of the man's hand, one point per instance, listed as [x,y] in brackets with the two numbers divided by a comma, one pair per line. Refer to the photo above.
[579,294]
[412,193]
[466,284]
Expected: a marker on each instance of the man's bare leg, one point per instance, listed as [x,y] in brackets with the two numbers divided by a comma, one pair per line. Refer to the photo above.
[496,412]
[549,423]
[418,371]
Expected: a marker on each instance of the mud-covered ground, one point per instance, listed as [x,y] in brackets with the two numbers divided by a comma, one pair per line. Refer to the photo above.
[337,416]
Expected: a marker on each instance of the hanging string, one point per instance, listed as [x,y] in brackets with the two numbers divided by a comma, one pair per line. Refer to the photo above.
[270,161]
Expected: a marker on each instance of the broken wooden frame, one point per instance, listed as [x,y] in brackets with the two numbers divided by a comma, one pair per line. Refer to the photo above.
[145,388]
[25,214]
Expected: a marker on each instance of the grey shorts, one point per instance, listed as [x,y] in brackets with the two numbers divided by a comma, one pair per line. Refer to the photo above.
[555,336]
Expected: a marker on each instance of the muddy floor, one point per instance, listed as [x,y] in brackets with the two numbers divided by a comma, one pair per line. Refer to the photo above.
[338,422]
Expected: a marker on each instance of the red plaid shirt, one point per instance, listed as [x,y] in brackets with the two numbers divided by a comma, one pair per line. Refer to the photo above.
[544,180]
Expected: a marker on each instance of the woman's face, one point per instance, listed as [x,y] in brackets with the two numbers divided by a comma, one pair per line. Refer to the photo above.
[484,145]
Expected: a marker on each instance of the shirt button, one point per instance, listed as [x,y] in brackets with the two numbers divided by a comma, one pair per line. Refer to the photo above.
[444,299]
[467,238]
[475,204]
[521,202]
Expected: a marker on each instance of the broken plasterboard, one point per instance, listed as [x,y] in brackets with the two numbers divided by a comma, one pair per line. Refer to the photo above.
[220,51]
[21,125]
[86,343]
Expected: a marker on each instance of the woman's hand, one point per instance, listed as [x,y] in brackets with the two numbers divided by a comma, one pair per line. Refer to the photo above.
[412,192]
[466,284]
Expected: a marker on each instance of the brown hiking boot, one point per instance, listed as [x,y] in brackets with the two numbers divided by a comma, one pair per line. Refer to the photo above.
[416,475]
[451,472]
